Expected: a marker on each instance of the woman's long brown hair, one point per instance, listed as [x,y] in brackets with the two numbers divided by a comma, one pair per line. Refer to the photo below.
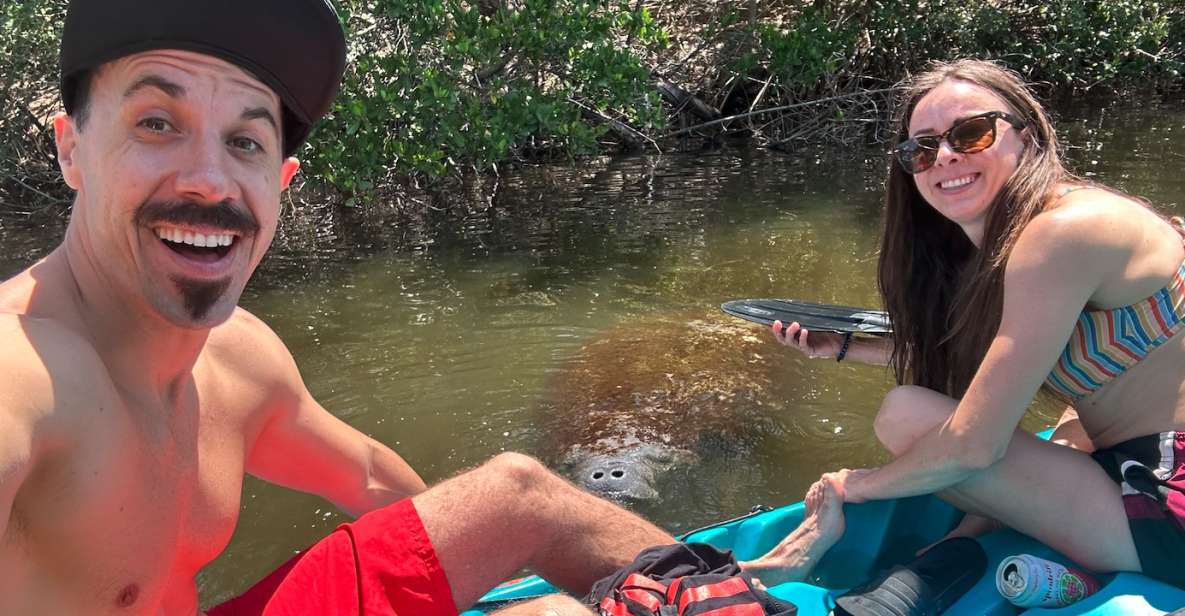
[943,295]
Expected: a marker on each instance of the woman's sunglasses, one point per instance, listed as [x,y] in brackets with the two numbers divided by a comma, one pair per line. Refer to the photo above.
[968,136]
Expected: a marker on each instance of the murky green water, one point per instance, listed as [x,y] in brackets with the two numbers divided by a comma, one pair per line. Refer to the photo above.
[443,335]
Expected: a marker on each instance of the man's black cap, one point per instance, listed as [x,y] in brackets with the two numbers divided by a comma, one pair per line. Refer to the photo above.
[296,47]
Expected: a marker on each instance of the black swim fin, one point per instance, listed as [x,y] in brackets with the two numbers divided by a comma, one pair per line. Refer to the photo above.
[926,586]
[812,316]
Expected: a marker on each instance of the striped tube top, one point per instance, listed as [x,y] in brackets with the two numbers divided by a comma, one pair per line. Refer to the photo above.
[1105,343]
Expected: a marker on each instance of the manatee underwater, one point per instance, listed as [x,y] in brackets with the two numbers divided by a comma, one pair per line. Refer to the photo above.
[657,393]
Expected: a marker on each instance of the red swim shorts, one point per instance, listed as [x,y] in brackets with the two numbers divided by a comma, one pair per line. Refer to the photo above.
[380,565]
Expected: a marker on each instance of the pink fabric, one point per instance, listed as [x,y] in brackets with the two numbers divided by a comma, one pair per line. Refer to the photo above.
[1176,500]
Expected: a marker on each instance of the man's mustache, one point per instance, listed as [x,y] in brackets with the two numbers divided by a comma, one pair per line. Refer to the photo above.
[224,216]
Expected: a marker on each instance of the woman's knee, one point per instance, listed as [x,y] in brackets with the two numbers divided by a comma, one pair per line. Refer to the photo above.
[907,413]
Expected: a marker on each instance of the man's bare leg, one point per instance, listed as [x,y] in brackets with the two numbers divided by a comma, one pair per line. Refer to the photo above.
[793,559]
[553,605]
[510,513]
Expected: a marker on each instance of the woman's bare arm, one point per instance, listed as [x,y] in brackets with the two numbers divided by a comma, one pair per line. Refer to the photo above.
[1058,264]
[876,350]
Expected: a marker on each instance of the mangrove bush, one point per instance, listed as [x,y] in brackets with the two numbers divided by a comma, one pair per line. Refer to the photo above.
[438,88]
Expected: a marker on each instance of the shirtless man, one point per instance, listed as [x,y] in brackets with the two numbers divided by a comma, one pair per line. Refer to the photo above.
[137,394]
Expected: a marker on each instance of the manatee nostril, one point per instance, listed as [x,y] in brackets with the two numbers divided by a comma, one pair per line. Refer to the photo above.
[598,475]
[618,473]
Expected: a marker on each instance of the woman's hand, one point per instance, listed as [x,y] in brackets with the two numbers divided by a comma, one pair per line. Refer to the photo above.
[816,345]
[843,481]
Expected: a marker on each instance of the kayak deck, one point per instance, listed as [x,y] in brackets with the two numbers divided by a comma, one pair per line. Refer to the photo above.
[884,533]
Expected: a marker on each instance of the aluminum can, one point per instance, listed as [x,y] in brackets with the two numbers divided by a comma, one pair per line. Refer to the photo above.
[1028,581]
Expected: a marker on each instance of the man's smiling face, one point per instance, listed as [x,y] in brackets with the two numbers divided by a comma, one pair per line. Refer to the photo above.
[179,171]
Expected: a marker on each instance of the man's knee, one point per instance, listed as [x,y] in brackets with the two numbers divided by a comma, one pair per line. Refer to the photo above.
[521,473]
[563,605]
[551,605]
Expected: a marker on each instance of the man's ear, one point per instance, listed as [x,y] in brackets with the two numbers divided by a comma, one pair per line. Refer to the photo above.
[65,134]
[288,171]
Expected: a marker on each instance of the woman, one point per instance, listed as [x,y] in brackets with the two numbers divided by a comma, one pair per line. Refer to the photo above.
[1003,274]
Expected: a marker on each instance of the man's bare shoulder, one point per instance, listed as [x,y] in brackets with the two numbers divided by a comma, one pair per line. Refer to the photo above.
[245,344]
[50,372]
[16,293]
[253,373]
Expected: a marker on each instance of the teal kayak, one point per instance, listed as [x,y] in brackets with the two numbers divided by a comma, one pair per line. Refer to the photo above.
[881,534]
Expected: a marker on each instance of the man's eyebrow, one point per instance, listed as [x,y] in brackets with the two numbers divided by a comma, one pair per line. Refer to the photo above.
[170,89]
[257,113]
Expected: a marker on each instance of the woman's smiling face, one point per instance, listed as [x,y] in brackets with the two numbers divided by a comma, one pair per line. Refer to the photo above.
[961,187]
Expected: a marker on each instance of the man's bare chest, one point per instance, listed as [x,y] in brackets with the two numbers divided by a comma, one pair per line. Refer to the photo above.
[128,516]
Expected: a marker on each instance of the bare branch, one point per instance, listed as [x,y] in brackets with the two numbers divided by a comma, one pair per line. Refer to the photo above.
[631,135]
[777,110]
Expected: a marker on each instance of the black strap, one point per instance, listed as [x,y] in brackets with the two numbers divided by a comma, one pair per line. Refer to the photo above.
[843,351]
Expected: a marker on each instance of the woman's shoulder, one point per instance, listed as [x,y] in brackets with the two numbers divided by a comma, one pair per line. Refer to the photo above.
[1095,233]
[1092,216]
[1087,199]
[1104,238]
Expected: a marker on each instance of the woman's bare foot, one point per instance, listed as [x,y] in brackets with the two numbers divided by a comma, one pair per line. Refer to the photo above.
[793,559]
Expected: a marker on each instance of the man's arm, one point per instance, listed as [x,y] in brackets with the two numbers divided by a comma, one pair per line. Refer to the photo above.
[301,445]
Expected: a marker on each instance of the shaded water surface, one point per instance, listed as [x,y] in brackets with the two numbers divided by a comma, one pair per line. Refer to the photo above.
[444,335]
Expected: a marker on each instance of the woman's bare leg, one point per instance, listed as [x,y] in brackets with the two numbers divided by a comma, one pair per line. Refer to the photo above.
[1055,494]
[900,423]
